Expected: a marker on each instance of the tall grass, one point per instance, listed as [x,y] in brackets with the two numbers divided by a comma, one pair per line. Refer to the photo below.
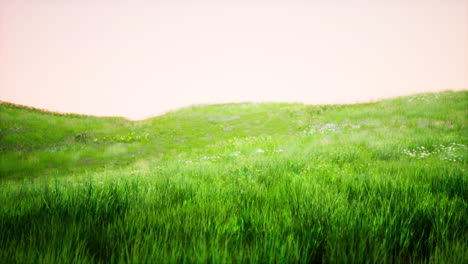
[341,184]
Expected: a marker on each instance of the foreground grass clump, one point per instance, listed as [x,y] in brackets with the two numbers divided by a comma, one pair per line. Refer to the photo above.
[366,183]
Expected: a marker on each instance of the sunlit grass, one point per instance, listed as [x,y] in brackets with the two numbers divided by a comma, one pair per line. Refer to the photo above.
[239,183]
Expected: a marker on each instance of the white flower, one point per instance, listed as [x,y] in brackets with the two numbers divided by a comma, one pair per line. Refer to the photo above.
[212,158]
[259,150]
[451,152]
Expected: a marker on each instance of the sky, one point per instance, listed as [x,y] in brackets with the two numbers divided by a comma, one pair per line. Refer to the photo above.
[141,58]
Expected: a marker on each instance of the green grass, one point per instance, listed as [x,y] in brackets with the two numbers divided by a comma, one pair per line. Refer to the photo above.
[382,182]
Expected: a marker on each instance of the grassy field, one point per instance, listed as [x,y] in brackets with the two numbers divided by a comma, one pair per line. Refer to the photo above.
[382,182]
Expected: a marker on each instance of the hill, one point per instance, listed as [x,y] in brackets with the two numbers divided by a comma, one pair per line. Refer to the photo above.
[270,182]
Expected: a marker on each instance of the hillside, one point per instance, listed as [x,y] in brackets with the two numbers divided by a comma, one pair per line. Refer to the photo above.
[35,142]
[271,182]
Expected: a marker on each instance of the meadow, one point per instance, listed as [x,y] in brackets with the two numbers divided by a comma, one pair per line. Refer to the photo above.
[381,182]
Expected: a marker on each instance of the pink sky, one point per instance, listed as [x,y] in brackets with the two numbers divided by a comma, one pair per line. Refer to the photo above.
[141,58]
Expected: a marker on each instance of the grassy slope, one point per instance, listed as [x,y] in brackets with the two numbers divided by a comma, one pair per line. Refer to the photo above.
[374,182]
